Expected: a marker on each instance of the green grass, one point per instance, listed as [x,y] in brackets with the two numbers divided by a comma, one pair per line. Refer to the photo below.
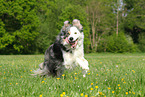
[110,75]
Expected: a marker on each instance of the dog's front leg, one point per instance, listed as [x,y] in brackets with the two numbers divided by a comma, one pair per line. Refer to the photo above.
[84,64]
[67,60]
[60,72]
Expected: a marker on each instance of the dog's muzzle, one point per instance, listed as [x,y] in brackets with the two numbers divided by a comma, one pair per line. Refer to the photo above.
[71,42]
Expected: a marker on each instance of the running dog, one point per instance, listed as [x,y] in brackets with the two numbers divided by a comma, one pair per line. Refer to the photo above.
[66,52]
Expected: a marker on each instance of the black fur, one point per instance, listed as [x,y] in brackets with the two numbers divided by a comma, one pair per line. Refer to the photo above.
[53,61]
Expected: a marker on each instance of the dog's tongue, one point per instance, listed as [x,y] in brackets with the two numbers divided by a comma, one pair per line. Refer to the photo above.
[66,40]
[74,45]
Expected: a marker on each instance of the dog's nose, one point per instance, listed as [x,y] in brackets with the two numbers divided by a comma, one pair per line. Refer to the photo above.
[71,38]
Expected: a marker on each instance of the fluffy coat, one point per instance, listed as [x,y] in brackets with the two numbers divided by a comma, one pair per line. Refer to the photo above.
[66,52]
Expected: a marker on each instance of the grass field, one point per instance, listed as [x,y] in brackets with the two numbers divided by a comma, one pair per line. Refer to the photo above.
[110,75]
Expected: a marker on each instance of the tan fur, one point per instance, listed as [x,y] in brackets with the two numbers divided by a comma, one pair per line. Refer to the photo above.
[69,32]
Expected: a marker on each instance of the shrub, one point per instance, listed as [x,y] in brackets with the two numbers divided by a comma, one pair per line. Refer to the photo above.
[141,40]
[117,44]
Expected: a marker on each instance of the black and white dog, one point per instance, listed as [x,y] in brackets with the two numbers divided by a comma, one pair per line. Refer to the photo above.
[66,52]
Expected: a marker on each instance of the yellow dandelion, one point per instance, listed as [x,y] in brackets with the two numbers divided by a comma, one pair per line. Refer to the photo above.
[91,83]
[75,73]
[91,88]
[16,83]
[118,84]
[113,92]
[0,66]
[10,83]
[96,87]
[61,95]
[42,82]
[133,92]
[86,95]
[21,76]
[40,95]
[124,82]
[63,75]
[119,87]
[88,73]
[129,91]
[97,74]
[82,94]
[58,78]
[44,78]
[100,93]
[126,93]
[96,82]
[100,62]
[122,79]
[126,74]
[109,88]
[133,71]
[30,70]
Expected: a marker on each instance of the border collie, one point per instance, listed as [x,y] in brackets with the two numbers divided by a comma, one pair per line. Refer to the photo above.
[66,52]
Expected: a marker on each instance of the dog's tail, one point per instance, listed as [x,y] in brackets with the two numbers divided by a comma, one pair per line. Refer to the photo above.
[41,71]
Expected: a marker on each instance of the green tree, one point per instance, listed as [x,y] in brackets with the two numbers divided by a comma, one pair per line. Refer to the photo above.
[19,23]
[101,19]
[135,19]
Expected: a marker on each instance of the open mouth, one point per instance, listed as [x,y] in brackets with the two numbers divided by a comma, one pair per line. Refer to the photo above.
[72,43]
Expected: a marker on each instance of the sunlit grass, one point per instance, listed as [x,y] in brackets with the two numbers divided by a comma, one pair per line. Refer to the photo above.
[110,75]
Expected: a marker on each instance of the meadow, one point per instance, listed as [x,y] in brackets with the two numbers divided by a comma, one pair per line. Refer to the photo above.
[110,75]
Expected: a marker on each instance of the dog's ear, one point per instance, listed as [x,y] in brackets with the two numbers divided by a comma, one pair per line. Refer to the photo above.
[66,24]
[81,30]
[76,23]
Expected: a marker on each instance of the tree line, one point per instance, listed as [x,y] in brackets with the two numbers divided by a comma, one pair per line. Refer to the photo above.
[30,26]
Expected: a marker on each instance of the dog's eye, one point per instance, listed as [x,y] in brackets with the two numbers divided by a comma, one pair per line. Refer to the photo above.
[75,32]
[68,33]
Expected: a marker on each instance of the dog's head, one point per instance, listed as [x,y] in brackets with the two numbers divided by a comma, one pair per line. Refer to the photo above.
[73,35]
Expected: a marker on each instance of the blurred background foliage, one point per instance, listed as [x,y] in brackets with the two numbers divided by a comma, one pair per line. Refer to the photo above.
[30,26]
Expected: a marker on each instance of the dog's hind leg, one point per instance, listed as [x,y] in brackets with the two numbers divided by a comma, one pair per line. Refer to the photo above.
[84,64]
[41,65]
